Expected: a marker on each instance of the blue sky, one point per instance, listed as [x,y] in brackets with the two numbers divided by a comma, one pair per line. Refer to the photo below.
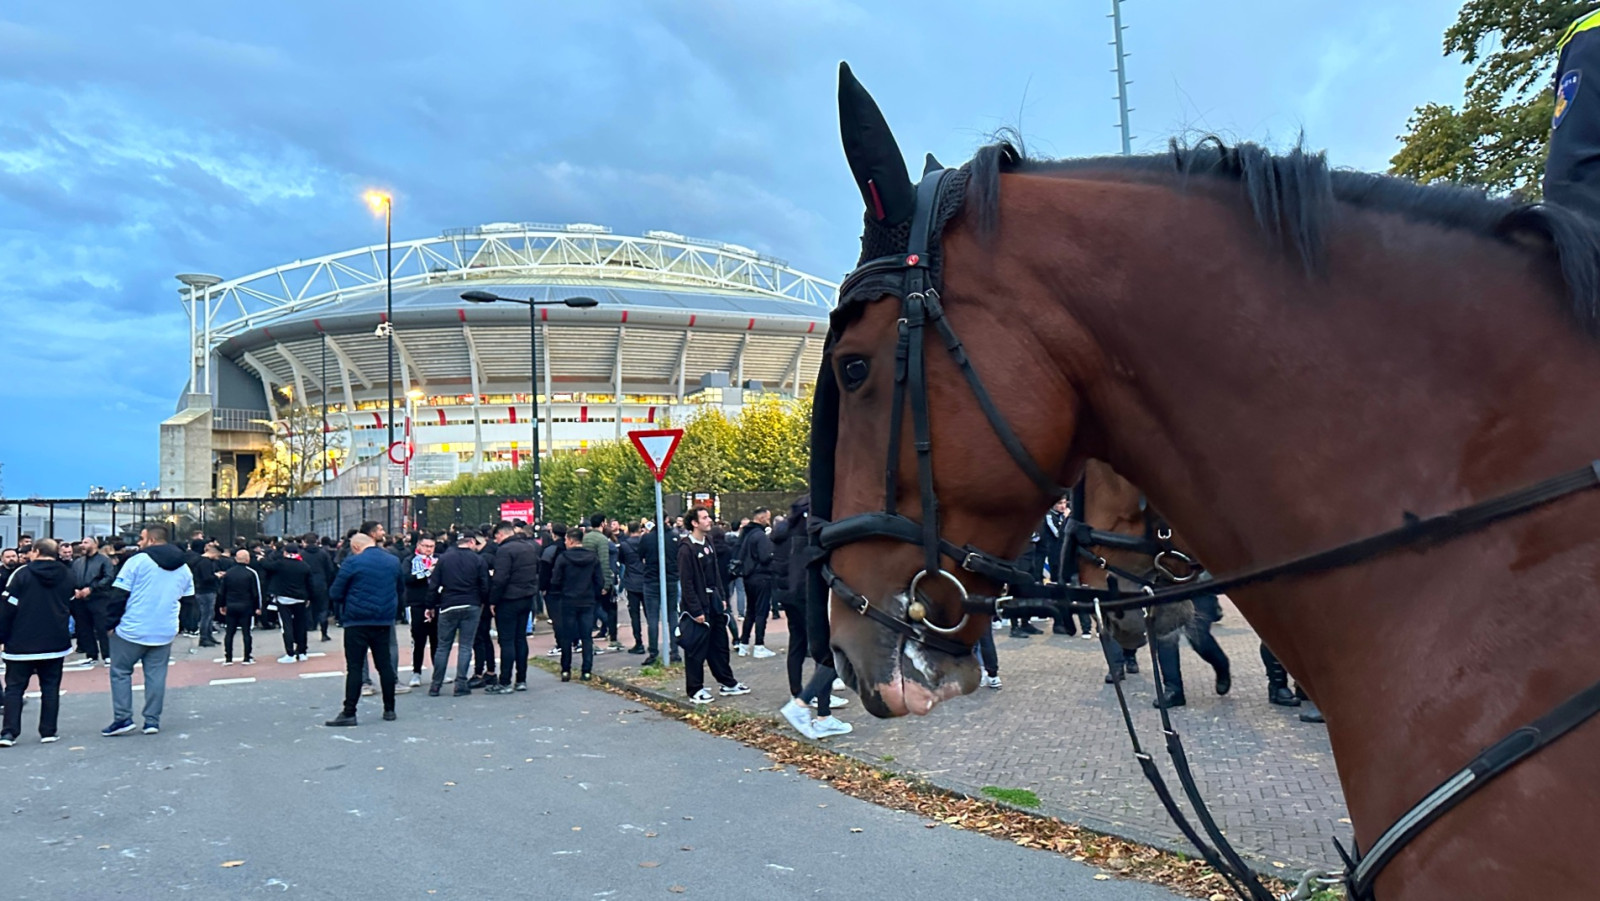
[142,140]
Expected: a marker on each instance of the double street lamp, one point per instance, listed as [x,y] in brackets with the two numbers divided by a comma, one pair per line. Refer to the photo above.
[533,344]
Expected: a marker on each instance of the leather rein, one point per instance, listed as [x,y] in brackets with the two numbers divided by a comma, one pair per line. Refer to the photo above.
[912,277]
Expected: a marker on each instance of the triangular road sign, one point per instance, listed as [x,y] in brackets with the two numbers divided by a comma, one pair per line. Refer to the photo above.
[656,446]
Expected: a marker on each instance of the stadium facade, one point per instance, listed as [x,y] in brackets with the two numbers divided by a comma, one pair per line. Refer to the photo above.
[680,322]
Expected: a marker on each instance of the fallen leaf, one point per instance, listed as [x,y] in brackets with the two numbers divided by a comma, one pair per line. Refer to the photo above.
[651,834]
[1101,876]
[577,828]
[1279,864]
[77,748]
[104,848]
[228,864]
[529,760]
[688,818]
[449,783]
[930,825]
[686,848]
[380,768]
[650,864]
[676,889]
[855,828]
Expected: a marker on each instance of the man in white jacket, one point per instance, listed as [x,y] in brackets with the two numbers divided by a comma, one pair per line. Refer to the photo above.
[148,593]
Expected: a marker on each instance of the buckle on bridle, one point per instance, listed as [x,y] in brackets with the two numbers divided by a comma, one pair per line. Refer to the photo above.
[966,563]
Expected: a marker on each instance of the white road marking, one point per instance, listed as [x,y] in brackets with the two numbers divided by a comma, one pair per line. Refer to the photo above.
[327,675]
[242,681]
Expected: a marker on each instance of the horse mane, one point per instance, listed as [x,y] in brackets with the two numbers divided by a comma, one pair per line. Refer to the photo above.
[1294,196]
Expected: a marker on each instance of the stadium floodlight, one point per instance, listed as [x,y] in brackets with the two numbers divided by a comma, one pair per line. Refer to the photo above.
[579,302]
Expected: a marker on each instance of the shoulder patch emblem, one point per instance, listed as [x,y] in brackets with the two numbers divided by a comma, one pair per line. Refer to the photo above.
[1566,95]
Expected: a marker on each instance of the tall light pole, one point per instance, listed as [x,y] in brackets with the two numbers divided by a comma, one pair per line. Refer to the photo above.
[383,202]
[533,370]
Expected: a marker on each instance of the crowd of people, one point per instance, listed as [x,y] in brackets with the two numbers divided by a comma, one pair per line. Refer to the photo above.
[76,606]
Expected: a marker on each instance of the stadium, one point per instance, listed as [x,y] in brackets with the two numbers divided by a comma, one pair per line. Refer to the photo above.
[679,322]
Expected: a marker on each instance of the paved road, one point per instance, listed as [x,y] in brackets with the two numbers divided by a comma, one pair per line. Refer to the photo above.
[562,792]
[1054,728]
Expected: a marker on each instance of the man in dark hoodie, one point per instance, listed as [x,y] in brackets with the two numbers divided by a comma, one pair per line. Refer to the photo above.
[514,582]
[34,606]
[758,568]
[144,615]
[633,583]
[650,557]
[576,587]
[461,581]
[321,562]
[295,587]
[553,548]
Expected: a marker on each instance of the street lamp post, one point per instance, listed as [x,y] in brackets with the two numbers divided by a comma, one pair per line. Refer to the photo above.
[380,200]
[533,377]
[412,397]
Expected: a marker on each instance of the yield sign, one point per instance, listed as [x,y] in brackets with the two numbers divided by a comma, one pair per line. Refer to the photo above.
[656,447]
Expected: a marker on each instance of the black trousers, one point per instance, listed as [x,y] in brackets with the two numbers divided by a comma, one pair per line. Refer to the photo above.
[296,622]
[483,645]
[757,608]
[821,685]
[18,672]
[188,615]
[358,642]
[424,637]
[83,628]
[635,611]
[511,620]
[650,603]
[319,615]
[705,645]
[574,625]
[237,621]
[1207,610]
[990,657]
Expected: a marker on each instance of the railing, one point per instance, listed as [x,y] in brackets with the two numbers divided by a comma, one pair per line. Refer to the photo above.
[232,420]
[228,519]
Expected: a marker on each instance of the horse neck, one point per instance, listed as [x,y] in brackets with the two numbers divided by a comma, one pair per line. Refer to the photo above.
[1268,414]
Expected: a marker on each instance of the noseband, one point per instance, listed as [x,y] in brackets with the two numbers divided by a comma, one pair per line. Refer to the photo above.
[912,277]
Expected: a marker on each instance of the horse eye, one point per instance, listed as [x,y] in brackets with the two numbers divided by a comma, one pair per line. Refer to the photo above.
[855,373]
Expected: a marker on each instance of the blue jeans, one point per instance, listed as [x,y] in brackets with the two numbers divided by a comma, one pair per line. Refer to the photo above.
[154,658]
[460,626]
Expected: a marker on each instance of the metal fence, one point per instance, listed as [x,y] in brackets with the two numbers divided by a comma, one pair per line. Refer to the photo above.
[229,518]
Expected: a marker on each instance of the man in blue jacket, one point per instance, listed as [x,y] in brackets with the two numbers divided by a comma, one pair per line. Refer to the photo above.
[368,585]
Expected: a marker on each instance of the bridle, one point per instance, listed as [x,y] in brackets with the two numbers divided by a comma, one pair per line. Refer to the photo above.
[914,278]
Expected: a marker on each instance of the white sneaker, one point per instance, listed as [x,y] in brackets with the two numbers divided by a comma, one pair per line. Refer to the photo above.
[702,697]
[761,651]
[838,685]
[833,701]
[553,652]
[990,682]
[249,662]
[49,739]
[368,691]
[227,663]
[400,688]
[288,658]
[416,680]
[300,658]
[1087,636]
[829,726]
[798,716]
[737,688]
[744,650]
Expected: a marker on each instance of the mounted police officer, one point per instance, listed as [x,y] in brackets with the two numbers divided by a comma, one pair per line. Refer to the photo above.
[1572,171]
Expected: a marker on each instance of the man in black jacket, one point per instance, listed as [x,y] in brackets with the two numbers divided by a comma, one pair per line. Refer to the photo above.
[632,583]
[650,557]
[703,617]
[461,581]
[320,561]
[758,568]
[34,605]
[422,604]
[553,548]
[575,589]
[239,600]
[514,583]
[294,586]
[92,577]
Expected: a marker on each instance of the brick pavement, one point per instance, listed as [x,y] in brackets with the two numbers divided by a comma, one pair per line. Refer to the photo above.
[1055,729]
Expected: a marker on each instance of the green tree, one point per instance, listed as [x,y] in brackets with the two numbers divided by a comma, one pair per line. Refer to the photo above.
[295,463]
[1498,138]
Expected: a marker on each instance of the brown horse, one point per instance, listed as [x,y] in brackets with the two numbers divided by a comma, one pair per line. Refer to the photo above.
[1285,359]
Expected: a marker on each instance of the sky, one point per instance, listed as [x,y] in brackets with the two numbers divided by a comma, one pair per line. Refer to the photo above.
[142,140]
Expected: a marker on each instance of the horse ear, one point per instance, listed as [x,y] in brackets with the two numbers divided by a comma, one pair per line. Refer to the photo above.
[874,156]
[930,165]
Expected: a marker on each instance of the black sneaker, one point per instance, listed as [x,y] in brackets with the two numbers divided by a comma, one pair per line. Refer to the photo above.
[476,681]
[652,660]
[586,677]
[462,691]
[520,686]
[388,716]
[433,691]
[566,676]
[498,689]
[637,649]
[7,741]
[343,719]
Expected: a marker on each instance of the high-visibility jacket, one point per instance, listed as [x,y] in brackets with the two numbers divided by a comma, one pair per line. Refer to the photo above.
[1572,171]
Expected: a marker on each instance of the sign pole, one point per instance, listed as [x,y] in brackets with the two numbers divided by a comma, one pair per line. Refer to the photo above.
[661,574]
[656,447]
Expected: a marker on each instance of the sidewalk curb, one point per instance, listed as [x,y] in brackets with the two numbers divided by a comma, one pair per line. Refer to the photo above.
[1260,864]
